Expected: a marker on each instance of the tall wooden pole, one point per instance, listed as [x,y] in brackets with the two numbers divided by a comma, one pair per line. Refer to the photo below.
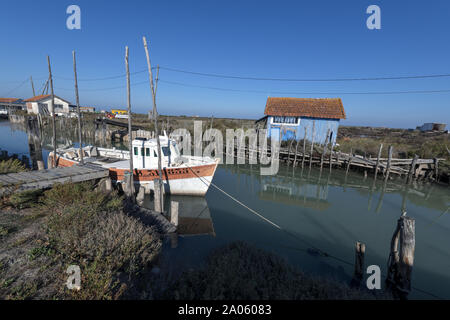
[312,143]
[130,132]
[388,166]
[53,111]
[32,86]
[378,161]
[155,115]
[80,136]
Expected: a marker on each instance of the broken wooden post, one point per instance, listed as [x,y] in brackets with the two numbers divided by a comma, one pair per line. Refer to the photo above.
[174,213]
[378,161]
[407,248]
[140,196]
[388,165]
[158,195]
[401,257]
[412,168]
[360,250]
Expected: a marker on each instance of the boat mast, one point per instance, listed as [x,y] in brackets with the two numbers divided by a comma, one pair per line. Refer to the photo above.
[155,114]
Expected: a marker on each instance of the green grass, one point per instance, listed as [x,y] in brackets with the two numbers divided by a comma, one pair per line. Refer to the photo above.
[11,166]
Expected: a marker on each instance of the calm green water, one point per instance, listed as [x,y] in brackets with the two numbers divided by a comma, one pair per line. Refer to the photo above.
[325,211]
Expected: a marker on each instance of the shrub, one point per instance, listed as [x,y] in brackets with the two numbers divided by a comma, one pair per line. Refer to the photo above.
[240,271]
[88,228]
[11,166]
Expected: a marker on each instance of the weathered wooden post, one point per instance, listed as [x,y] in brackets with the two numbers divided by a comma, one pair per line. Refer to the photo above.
[388,166]
[78,109]
[52,104]
[304,147]
[174,213]
[412,169]
[360,250]
[378,161]
[325,145]
[350,157]
[159,195]
[436,169]
[155,116]
[331,156]
[401,257]
[130,132]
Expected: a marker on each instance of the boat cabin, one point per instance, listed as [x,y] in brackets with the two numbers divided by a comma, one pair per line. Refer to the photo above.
[145,152]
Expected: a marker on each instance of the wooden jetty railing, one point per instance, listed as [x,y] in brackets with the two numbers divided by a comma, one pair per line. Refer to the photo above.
[403,167]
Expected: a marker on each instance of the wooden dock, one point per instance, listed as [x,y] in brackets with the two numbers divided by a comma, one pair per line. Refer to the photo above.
[29,180]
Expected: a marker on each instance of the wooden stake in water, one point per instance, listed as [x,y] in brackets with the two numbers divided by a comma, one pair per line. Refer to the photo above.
[412,168]
[304,147]
[388,166]
[350,158]
[52,104]
[312,143]
[360,250]
[378,161]
[130,132]
[80,139]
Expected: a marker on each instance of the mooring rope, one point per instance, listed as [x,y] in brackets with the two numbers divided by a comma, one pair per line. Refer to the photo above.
[320,251]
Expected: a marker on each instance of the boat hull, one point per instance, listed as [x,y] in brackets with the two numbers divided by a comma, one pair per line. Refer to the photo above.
[181,180]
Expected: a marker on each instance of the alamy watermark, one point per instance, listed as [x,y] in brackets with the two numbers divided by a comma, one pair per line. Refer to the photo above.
[74,19]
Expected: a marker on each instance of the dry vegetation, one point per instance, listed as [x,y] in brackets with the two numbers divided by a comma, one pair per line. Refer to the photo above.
[242,272]
[73,224]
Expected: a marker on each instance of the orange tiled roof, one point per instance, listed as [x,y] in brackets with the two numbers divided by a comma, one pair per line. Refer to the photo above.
[305,107]
[8,100]
[37,98]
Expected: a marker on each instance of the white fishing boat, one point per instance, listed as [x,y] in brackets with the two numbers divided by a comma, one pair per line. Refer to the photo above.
[182,175]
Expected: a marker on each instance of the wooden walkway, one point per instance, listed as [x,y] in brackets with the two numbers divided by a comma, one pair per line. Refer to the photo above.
[28,180]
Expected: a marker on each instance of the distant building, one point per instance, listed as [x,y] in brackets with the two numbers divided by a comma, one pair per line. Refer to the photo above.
[42,105]
[120,113]
[7,104]
[431,126]
[73,108]
[288,118]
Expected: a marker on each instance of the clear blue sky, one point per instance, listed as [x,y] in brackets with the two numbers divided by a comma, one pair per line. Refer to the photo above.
[277,39]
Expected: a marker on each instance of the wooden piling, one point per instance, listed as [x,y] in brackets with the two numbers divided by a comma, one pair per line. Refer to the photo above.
[324,150]
[436,169]
[388,166]
[304,147]
[412,169]
[331,157]
[360,250]
[401,258]
[378,161]
[174,213]
[130,132]
[296,151]
[78,109]
[312,144]
[52,103]
[158,196]
[155,116]
[350,157]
